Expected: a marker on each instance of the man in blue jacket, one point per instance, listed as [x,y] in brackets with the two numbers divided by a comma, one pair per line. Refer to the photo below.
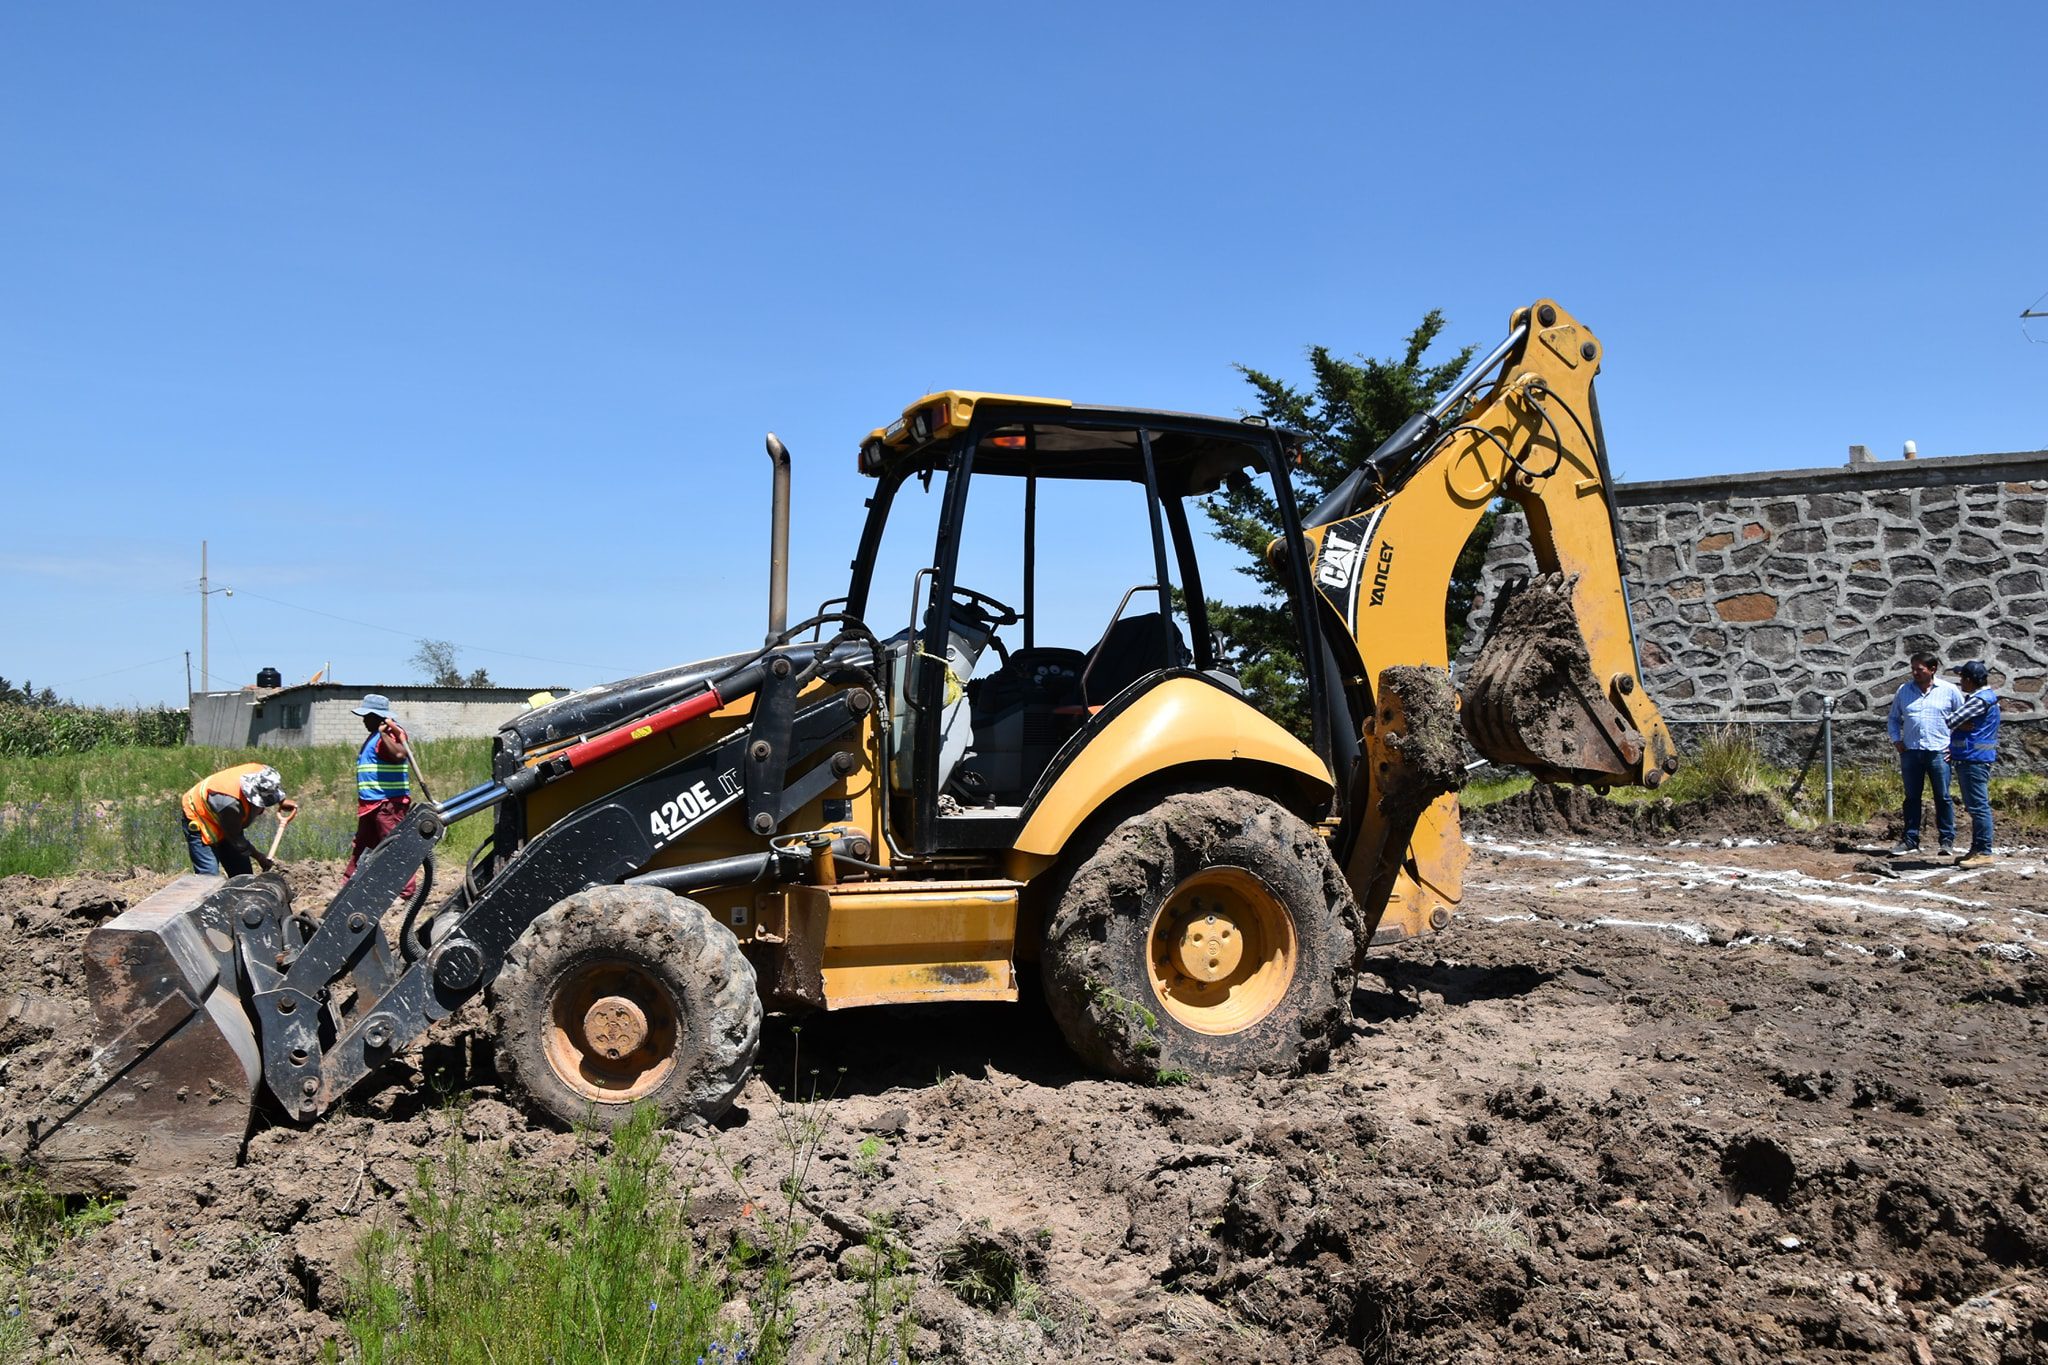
[1918,725]
[1973,748]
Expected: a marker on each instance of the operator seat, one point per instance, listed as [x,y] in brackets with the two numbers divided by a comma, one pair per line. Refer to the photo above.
[1132,647]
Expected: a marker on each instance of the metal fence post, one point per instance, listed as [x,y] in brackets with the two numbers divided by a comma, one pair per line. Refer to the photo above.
[1827,740]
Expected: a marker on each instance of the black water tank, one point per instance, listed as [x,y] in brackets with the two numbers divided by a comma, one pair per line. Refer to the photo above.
[269,677]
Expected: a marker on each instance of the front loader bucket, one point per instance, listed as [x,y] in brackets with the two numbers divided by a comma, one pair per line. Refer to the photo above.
[175,1064]
[1532,699]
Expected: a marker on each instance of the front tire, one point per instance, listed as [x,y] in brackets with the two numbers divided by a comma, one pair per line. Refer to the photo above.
[621,995]
[1209,932]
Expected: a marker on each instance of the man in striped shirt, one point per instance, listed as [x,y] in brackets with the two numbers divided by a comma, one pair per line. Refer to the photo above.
[383,782]
[1918,725]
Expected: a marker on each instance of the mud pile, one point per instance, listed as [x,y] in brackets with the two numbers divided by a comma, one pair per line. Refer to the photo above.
[1549,810]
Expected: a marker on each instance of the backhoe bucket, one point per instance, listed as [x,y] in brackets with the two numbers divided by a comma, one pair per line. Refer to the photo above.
[1532,699]
[175,1064]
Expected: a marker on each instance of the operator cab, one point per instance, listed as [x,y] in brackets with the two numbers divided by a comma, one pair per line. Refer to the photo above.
[1033,567]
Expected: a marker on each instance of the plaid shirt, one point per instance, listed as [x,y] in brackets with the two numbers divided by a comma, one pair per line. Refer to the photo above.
[1976,705]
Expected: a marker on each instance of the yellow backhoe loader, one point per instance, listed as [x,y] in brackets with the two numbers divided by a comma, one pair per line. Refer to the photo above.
[1012,742]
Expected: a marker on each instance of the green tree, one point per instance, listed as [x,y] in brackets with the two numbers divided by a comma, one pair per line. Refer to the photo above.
[26,695]
[436,659]
[1351,408]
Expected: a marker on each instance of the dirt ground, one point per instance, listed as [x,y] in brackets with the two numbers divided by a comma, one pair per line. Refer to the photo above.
[1658,1094]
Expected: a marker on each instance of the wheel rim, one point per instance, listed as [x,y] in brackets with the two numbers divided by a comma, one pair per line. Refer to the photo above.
[1222,951]
[612,1030]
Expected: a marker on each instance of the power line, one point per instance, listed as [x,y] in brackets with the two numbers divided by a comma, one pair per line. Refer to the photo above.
[408,635]
[112,671]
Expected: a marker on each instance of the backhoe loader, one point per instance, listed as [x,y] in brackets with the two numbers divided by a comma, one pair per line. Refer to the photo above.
[925,786]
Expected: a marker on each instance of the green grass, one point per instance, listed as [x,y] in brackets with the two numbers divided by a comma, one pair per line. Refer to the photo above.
[512,1265]
[1728,764]
[113,809]
[1487,791]
[34,1224]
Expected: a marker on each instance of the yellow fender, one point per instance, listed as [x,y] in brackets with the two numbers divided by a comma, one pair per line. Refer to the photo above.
[1180,722]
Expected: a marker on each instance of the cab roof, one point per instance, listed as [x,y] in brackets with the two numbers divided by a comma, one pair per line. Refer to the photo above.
[1057,438]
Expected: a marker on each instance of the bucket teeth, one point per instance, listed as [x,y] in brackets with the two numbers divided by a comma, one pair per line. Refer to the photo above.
[175,1064]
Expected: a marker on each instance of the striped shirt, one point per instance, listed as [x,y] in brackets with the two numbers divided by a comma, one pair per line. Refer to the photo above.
[1919,720]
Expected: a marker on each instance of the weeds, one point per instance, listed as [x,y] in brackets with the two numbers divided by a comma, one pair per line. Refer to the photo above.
[1860,793]
[867,1160]
[1726,763]
[1499,1230]
[802,1123]
[1142,1021]
[883,1332]
[518,1267]
[34,1223]
[990,1273]
[981,1272]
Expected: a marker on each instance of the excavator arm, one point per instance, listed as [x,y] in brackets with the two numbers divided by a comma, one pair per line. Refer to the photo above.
[1556,687]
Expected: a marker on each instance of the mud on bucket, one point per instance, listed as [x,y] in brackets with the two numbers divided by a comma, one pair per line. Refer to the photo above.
[172,1078]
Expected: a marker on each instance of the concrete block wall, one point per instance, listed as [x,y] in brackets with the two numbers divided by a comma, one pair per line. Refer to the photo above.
[334,722]
[324,714]
[1756,595]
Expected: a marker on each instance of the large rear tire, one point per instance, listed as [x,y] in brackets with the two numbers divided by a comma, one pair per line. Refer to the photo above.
[1209,932]
[621,995]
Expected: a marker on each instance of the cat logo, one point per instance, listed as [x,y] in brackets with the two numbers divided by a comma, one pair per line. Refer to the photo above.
[1379,575]
[1339,560]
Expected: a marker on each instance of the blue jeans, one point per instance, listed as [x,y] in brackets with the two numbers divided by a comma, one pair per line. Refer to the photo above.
[1975,780]
[1929,766]
[206,860]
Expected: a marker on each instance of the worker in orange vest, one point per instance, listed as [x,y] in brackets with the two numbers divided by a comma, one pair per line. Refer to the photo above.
[216,813]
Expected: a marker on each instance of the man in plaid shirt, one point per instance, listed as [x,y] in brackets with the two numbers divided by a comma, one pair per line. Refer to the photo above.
[1973,747]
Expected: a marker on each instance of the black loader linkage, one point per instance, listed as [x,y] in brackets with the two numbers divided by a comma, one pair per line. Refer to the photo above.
[332,1005]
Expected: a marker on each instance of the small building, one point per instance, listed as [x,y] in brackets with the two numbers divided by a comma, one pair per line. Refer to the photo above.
[322,713]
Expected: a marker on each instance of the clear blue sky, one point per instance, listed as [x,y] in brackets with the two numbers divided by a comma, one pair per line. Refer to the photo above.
[467,320]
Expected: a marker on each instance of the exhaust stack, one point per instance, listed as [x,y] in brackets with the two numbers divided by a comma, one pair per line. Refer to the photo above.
[778,543]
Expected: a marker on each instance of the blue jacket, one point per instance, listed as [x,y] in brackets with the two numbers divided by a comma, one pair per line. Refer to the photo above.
[1978,743]
[377,780]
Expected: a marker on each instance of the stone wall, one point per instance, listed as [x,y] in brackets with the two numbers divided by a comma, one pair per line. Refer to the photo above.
[1756,595]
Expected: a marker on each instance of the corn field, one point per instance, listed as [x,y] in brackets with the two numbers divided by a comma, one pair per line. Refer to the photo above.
[36,731]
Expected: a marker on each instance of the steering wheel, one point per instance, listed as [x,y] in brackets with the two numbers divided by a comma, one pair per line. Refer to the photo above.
[987,611]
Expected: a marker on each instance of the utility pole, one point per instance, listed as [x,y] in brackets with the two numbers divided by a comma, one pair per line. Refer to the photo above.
[205,674]
[188,677]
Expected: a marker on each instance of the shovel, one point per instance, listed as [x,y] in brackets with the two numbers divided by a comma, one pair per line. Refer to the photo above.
[278,837]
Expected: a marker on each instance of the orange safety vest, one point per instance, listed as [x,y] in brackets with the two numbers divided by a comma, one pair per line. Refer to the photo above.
[226,782]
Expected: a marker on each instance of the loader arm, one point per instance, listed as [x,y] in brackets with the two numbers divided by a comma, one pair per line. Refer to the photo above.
[1556,688]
